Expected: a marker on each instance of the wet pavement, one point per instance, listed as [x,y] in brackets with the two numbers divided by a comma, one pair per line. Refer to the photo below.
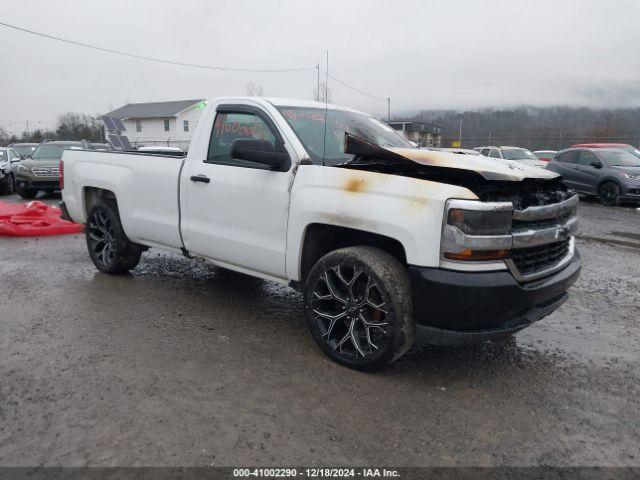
[181,363]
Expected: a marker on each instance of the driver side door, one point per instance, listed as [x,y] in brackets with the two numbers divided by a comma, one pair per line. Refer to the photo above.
[237,210]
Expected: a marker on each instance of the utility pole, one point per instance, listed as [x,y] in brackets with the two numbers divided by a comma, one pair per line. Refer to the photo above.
[318,83]
[28,134]
[460,133]
[388,109]
[326,95]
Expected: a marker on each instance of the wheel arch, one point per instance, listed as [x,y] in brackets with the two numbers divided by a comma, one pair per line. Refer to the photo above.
[604,180]
[92,195]
[321,238]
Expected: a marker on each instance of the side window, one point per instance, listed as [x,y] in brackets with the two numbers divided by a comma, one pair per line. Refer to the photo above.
[166,125]
[485,152]
[568,157]
[495,154]
[586,158]
[228,127]
[185,125]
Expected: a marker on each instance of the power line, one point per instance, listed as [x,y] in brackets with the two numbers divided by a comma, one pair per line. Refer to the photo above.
[192,65]
[361,92]
[155,59]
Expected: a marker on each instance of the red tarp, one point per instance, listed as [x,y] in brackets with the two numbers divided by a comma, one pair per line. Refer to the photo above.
[32,220]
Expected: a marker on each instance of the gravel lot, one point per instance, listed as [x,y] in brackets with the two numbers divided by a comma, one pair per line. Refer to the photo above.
[181,363]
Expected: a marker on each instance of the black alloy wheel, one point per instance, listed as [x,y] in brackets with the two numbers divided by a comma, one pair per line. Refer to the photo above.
[101,238]
[609,193]
[109,248]
[358,307]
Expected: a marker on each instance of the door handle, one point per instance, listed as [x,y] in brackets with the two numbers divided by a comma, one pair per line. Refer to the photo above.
[200,178]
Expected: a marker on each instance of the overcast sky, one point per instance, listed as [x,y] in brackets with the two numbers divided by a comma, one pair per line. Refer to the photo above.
[422,54]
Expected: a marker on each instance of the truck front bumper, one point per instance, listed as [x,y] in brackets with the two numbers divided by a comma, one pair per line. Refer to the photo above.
[455,308]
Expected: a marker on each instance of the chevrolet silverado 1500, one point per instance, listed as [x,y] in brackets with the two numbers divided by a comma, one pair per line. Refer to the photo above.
[385,241]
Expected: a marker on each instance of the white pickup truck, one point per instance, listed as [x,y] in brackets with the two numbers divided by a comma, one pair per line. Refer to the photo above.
[385,241]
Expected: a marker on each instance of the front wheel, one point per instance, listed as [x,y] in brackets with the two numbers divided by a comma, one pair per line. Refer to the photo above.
[26,193]
[358,307]
[110,249]
[609,193]
[7,186]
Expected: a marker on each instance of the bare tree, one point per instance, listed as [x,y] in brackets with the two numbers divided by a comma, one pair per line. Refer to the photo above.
[254,90]
[324,95]
[77,126]
[4,136]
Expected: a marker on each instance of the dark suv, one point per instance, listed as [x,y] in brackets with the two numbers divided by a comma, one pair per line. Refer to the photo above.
[611,174]
[39,172]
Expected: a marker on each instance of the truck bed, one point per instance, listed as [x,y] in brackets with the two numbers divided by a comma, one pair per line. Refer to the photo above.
[146,186]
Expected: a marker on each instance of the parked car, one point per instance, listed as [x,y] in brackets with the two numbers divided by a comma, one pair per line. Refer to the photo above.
[624,146]
[545,155]
[39,173]
[517,154]
[611,174]
[9,160]
[383,239]
[100,146]
[6,183]
[461,151]
[24,149]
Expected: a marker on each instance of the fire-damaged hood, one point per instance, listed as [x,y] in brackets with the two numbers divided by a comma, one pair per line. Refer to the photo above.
[488,168]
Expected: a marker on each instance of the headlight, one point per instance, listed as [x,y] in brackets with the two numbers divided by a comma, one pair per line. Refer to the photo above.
[479,222]
[23,169]
[476,231]
[632,176]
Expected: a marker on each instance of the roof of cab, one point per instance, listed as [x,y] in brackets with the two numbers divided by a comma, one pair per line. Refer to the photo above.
[289,102]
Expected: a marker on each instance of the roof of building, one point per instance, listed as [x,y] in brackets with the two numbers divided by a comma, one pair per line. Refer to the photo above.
[153,109]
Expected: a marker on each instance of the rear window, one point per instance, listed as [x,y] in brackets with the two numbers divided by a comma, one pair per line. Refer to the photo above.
[517,154]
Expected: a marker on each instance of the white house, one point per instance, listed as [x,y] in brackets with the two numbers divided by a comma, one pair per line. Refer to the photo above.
[160,123]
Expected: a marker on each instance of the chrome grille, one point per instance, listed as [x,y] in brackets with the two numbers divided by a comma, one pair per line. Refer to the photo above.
[542,241]
[46,171]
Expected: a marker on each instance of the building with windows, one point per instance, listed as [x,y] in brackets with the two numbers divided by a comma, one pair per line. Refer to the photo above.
[423,133]
[160,123]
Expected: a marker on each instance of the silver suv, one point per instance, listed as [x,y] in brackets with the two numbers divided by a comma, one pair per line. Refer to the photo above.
[517,154]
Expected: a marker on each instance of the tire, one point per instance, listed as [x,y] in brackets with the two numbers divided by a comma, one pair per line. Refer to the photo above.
[609,194]
[7,186]
[27,193]
[358,306]
[109,248]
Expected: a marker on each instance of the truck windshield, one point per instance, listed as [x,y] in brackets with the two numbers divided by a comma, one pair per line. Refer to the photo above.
[309,126]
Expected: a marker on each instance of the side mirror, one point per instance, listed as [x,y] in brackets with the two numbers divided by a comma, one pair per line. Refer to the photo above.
[259,151]
[596,164]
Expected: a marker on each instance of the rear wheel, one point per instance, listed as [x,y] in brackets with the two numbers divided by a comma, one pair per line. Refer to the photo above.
[110,249]
[609,194]
[358,307]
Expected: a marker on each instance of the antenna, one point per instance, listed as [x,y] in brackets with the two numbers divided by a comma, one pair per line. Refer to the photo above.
[326,102]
